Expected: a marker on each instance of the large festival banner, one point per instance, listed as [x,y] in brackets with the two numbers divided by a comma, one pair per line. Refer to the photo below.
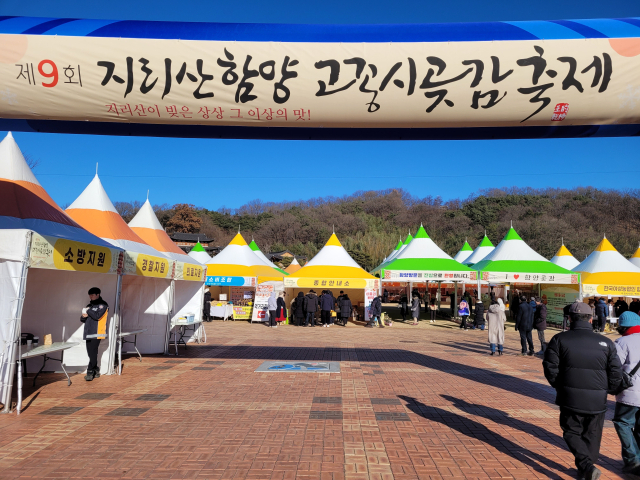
[293,84]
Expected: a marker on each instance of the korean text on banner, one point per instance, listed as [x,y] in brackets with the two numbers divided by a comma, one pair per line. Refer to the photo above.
[260,309]
[63,254]
[330,85]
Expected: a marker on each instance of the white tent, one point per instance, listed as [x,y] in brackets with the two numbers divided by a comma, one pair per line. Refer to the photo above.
[47,265]
[635,259]
[565,259]
[479,254]
[146,284]
[187,287]
[464,253]
[199,254]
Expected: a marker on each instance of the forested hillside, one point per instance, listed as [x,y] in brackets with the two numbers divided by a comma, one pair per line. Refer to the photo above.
[369,224]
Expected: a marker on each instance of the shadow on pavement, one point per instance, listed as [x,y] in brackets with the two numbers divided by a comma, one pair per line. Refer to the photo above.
[473,429]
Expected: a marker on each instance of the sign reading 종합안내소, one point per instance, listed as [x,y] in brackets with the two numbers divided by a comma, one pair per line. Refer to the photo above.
[304,282]
[557,278]
[332,85]
[63,254]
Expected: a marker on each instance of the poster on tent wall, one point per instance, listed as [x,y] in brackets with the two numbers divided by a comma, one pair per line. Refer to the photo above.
[147,265]
[511,277]
[260,308]
[319,84]
[556,298]
[440,276]
[189,272]
[242,299]
[63,254]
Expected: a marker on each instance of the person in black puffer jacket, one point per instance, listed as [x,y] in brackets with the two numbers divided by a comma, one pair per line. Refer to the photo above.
[601,313]
[478,322]
[345,308]
[524,325]
[540,323]
[582,367]
[298,309]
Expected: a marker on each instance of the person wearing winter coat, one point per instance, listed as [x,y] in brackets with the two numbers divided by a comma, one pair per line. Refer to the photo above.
[433,308]
[582,367]
[620,306]
[463,311]
[298,309]
[478,321]
[496,319]
[337,306]
[94,316]
[404,307]
[635,306]
[385,296]
[206,306]
[627,414]
[310,308]
[326,305]
[281,306]
[415,309]
[272,306]
[345,308]
[375,311]
[524,325]
[515,304]
[601,314]
[540,323]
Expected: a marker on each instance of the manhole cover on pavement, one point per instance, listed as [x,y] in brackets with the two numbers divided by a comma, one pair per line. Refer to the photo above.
[299,366]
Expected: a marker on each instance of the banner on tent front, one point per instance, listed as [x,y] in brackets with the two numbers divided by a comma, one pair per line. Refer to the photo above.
[219,281]
[304,282]
[64,254]
[147,265]
[557,278]
[609,289]
[188,271]
[440,276]
[331,85]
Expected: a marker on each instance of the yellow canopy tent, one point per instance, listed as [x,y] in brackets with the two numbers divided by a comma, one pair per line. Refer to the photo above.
[607,272]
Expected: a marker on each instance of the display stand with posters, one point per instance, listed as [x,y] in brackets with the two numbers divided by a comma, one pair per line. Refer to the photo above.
[47,265]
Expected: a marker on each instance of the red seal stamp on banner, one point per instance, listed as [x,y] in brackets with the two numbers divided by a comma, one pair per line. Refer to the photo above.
[560,112]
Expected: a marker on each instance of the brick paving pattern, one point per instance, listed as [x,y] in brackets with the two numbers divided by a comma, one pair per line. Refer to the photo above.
[424,402]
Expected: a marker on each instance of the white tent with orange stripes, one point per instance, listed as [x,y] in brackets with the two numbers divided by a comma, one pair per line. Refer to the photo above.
[146,285]
[187,286]
[606,272]
[47,264]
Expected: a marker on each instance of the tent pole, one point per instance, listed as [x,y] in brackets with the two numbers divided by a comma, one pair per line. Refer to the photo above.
[439,295]
[15,334]
[455,299]
[169,315]
[114,330]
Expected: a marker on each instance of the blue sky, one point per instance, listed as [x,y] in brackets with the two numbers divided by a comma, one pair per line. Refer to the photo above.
[216,173]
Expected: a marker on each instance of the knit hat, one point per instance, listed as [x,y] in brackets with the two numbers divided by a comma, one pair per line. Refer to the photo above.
[94,291]
[629,319]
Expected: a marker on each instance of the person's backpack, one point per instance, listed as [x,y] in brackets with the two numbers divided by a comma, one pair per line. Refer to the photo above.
[627,380]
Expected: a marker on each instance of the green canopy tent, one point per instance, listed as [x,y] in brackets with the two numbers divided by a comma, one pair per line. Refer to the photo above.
[464,253]
[199,254]
[255,249]
[479,254]
[513,261]
[387,259]
[423,261]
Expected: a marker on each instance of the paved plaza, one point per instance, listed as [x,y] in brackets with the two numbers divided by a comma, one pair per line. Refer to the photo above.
[424,402]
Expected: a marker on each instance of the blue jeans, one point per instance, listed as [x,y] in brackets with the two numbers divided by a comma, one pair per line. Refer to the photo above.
[481,327]
[627,423]
[493,347]
[310,319]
